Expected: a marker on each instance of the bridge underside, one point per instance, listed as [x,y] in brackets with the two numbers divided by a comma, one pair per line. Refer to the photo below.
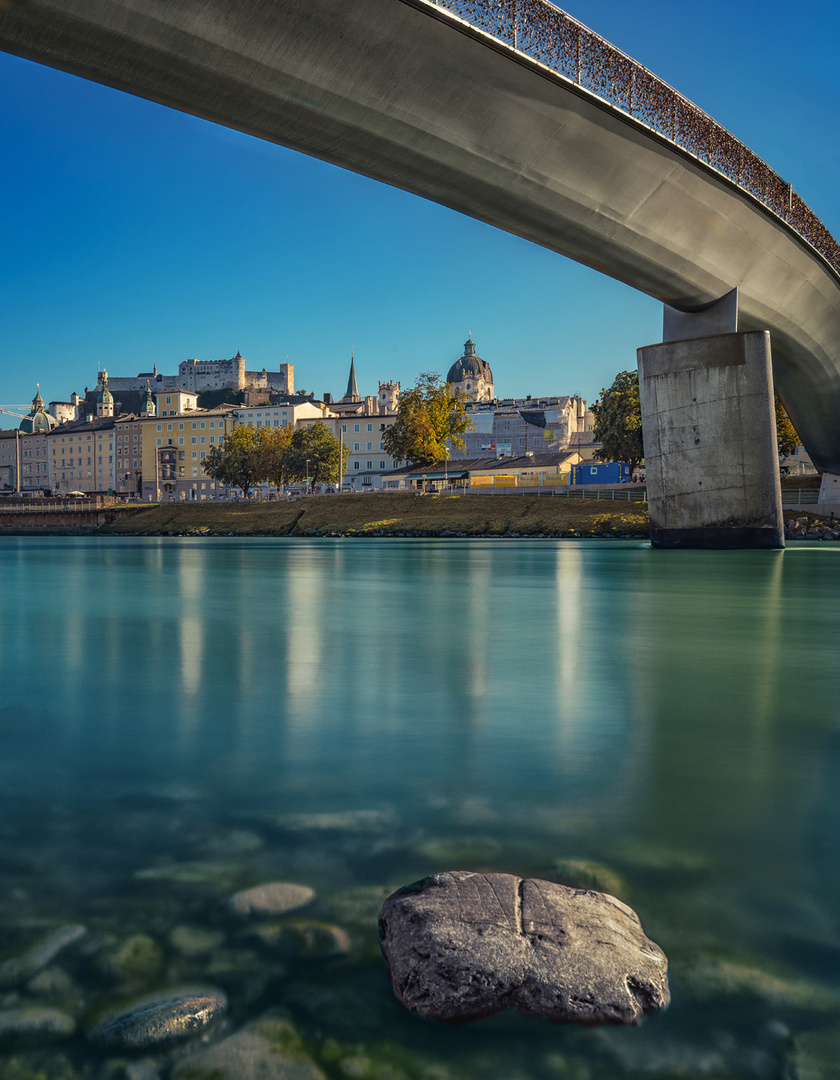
[399,91]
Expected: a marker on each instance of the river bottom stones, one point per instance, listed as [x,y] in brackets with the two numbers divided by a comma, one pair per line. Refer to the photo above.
[161,1019]
[461,945]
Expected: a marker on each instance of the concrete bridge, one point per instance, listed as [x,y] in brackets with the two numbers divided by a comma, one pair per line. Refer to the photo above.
[516,115]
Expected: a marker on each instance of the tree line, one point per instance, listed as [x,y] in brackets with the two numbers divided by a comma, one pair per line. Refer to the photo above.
[278,456]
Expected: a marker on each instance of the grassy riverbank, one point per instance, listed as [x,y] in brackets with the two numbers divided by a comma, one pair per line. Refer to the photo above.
[391,515]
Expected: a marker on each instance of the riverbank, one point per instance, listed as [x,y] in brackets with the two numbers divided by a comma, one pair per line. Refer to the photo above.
[397,514]
[383,514]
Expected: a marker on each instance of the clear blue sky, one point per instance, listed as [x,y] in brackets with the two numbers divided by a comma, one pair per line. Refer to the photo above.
[135,235]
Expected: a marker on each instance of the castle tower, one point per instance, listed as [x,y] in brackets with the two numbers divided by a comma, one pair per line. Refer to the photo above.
[389,396]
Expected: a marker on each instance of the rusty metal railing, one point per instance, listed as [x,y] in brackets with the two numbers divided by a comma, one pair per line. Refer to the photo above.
[550,36]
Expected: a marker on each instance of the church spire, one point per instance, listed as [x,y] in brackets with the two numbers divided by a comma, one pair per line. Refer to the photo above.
[352,388]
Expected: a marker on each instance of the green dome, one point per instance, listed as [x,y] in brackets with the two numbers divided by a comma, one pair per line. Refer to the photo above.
[39,420]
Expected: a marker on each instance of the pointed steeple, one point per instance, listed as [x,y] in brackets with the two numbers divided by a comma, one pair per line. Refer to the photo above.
[352,389]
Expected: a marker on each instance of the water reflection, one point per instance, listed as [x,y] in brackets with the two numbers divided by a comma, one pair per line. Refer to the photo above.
[673,714]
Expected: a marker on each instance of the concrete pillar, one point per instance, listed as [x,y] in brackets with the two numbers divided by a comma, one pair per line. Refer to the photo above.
[711,457]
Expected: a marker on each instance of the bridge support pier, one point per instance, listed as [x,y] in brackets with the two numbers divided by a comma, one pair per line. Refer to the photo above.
[711,457]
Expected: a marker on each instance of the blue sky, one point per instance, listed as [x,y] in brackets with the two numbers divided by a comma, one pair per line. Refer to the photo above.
[134,235]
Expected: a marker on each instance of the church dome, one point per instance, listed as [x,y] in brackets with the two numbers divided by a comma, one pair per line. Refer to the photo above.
[470,366]
[39,420]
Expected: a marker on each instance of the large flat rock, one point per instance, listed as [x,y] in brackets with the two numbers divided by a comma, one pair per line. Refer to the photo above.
[461,945]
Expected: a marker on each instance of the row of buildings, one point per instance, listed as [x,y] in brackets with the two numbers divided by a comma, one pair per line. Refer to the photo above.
[147,436]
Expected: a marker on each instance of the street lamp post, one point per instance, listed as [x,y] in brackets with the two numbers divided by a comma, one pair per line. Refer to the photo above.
[307,472]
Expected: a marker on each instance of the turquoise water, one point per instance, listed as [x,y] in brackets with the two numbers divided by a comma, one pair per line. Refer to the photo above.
[183,718]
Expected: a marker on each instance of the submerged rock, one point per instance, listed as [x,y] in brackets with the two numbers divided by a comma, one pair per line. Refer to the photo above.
[583,874]
[462,850]
[138,959]
[264,1050]
[273,898]
[461,945]
[343,821]
[22,968]
[161,1019]
[35,1024]
[304,938]
[194,941]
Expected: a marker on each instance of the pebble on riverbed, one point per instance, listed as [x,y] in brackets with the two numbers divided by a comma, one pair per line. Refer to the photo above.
[34,1024]
[461,945]
[273,898]
[21,968]
[161,1019]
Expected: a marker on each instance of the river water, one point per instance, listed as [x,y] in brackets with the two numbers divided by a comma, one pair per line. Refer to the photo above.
[184,718]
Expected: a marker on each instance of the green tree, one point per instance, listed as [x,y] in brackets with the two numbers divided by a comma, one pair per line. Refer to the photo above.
[618,421]
[428,415]
[785,432]
[314,453]
[239,461]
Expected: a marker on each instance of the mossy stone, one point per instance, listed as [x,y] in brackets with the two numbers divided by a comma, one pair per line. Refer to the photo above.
[711,978]
[461,853]
[583,874]
[304,938]
[139,959]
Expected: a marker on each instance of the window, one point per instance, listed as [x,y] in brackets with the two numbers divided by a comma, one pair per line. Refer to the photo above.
[355,446]
[180,427]
[368,464]
[158,442]
[193,439]
[369,446]
[201,425]
[355,464]
[370,427]
[168,399]
[381,464]
[382,446]
[355,427]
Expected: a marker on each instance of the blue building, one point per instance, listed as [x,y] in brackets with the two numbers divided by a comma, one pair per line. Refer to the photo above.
[601,472]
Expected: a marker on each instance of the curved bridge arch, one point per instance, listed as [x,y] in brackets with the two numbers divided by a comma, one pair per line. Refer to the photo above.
[410,93]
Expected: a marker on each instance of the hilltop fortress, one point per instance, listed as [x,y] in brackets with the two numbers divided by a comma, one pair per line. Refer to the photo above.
[198,376]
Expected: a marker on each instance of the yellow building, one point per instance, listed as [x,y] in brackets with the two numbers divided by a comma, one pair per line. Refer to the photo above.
[175,446]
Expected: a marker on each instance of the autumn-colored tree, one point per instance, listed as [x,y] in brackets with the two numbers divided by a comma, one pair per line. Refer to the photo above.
[275,444]
[618,421]
[429,415]
[786,435]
